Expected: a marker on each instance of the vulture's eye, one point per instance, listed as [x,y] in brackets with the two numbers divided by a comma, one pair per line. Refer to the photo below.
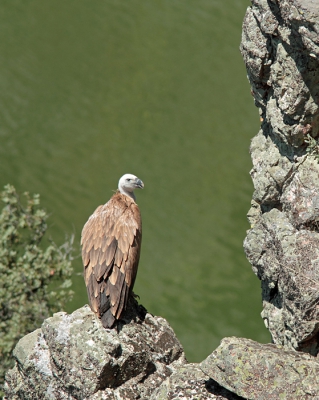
[128,179]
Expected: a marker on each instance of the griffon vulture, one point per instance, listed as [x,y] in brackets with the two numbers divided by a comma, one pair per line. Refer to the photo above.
[111,244]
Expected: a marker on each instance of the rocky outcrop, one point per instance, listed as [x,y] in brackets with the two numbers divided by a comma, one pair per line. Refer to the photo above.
[263,371]
[280,46]
[74,357]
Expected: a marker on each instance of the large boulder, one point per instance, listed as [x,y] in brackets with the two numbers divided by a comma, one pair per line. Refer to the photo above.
[74,357]
[263,371]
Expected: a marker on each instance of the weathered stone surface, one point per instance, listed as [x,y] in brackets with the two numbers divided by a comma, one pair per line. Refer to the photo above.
[280,47]
[300,198]
[270,170]
[33,372]
[282,69]
[287,262]
[191,383]
[263,371]
[74,357]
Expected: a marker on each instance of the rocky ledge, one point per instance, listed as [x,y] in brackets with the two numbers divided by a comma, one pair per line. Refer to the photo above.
[74,357]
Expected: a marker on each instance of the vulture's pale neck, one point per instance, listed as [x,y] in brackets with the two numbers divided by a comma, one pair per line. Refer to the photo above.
[127,193]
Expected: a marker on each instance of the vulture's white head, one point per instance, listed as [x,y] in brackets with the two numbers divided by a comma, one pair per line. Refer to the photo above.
[128,183]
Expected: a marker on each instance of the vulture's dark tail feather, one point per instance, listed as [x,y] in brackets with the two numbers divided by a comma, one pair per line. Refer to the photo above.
[104,303]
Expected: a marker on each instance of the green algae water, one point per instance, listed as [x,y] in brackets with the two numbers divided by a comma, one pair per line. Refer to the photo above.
[92,90]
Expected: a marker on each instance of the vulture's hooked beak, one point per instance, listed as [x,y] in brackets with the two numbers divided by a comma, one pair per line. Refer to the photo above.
[139,184]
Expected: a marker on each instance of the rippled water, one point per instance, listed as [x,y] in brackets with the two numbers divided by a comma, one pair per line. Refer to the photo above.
[92,90]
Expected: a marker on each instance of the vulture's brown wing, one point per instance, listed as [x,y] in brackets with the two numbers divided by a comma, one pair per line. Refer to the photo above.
[111,241]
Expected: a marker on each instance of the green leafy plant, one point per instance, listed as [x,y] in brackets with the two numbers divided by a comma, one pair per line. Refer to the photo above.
[35,279]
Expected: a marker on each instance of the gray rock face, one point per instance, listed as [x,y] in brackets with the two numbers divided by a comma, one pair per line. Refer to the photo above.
[280,47]
[263,371]
[192,383]
[74,357]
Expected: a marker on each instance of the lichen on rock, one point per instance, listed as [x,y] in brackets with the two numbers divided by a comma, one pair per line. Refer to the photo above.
[74,357]
[263,371]
[280,47]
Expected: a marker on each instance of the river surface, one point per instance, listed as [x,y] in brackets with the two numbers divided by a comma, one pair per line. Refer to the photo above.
[90,90]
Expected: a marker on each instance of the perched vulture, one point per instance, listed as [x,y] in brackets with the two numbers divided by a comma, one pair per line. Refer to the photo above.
[111,244]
